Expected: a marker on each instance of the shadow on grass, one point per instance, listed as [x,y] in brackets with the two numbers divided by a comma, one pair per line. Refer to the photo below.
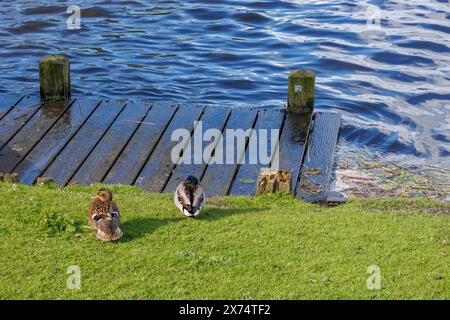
[136,228]
[219,213]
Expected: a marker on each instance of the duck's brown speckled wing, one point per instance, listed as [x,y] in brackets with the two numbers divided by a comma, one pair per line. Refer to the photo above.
[97,208]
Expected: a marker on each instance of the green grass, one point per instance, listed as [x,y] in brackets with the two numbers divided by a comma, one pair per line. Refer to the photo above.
[270,247]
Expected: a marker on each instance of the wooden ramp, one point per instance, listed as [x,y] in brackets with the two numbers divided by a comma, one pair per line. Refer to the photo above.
[119,142]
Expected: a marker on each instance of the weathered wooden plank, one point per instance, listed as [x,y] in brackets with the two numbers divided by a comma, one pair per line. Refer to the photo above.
[318,161]
[130,162]
[292,144]
[56,138]
[98,163]
[254,158]
[7,102]
[79,147]
[156,171]
[24,140]
[212,118]
[17,117]
[218,177]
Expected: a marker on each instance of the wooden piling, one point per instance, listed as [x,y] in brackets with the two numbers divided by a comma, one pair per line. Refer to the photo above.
[301,91]
[54,77]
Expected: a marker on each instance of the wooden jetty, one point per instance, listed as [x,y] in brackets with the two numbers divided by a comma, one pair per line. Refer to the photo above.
[117,142]
[85,141]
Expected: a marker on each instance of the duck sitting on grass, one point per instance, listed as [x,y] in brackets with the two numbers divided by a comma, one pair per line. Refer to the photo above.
[189,197]
[104,216]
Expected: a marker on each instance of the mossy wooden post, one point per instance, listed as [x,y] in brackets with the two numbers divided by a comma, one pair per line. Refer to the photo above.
[54,77]
[301,91]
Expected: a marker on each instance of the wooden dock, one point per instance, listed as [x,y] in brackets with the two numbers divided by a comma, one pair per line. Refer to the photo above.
[120,142]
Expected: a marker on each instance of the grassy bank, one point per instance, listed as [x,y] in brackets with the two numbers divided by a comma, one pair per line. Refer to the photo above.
[270,247]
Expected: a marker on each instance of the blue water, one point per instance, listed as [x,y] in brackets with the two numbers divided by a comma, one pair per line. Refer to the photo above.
[391,80]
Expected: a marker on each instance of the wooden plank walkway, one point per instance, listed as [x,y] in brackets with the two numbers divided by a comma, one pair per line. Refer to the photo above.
[213,118]
[244,182]
[218,177]
[7,103]
[16,149]
[118,142]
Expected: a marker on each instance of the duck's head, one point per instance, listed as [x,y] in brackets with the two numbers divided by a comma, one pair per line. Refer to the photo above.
[104,194]
[191,180]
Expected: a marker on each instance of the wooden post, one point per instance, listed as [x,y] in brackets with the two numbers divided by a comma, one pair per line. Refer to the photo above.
[54,77]
[272,180]
[301,91]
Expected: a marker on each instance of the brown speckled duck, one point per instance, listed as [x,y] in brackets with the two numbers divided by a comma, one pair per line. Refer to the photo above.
[104,216]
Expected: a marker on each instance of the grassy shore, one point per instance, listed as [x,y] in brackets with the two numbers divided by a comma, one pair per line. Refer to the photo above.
[270,247]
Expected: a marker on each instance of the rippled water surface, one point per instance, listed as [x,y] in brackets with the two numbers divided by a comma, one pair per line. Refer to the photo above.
[391,82]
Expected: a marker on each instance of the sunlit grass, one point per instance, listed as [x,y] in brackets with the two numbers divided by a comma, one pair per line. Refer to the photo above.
[271,247]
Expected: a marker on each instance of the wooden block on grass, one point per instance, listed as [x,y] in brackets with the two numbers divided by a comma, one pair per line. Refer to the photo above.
[11,177]
[273,180]
[44,181]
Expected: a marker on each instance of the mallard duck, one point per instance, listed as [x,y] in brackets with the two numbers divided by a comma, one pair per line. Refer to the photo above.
[189,197]
[104,216]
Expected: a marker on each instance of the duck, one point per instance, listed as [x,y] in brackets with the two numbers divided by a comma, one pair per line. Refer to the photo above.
[104,216]
[189,197]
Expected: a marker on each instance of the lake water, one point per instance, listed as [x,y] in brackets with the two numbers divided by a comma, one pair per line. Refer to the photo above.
[385,65]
